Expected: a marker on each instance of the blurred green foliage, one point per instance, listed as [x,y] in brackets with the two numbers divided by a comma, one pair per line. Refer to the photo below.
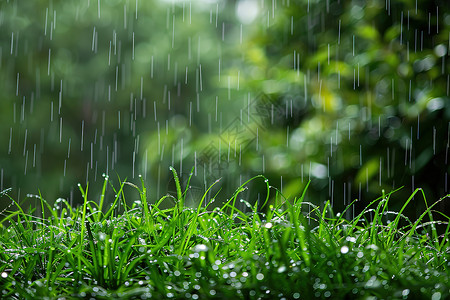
[114,87]
[353,95]
[366,90]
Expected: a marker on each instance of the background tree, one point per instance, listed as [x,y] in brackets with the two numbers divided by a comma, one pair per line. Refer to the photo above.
[352,95]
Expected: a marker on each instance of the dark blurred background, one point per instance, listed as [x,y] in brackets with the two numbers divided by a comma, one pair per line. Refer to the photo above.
[352,95]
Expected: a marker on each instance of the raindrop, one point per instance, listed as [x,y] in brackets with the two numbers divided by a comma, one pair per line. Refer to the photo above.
[48,65]
[125,16]
[82,134]
[60,129]
[434,140]
[339,32]
[360,153]
[200,74]
[26,163]
[132,52]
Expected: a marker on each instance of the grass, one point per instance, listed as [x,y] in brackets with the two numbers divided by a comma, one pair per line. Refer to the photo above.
[294,250]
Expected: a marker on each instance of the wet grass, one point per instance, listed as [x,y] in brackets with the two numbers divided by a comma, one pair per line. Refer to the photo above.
[294,250]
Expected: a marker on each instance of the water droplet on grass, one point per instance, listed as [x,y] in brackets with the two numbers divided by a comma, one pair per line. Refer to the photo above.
[373,282]
[373,247]
[268,225]
[200,248]
[344,249]
[351,239]
[281,269]
[101,236]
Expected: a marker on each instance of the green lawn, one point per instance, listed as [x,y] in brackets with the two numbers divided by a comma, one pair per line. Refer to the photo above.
[294,250]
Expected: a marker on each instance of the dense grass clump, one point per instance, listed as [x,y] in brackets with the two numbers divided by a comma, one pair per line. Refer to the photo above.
[294,250]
